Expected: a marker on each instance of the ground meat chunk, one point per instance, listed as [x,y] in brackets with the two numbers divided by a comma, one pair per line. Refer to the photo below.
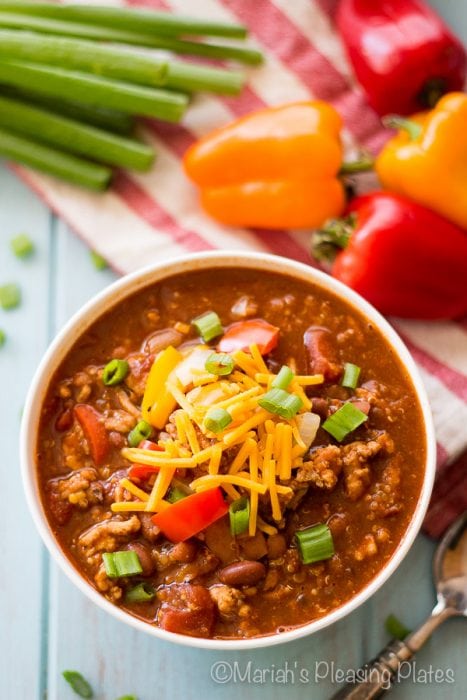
[168,561]
[75,448]
[149,530]
[326,463]
[228,600]
[384,497]
[107,586]
[106,536]
[120,421]
[323,468]
[79,488]
[355,460]
[140,364]
[367,548]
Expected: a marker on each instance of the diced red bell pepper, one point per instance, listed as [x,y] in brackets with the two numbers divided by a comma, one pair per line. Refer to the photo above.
[94,431]
[144,471]
[240,335]
[190,515]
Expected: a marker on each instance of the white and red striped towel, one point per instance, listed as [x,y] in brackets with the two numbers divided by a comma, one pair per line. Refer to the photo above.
[148,217]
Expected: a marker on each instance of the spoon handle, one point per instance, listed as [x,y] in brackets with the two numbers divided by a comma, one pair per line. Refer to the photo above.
[377,675]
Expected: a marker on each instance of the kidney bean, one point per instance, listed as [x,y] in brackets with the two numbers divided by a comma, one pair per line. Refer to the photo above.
[144,555]
[184,552]
[242,573]
[322,355]
[277,545]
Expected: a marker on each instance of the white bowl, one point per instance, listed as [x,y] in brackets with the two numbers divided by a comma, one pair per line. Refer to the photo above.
[127,286]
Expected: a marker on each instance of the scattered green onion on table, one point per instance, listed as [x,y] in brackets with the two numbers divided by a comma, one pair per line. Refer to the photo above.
[68,97]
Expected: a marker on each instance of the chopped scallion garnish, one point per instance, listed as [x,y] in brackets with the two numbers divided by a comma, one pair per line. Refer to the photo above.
[175,494]
[79,684]
[219,363]
[10,296]
[351,375]
[344,421]
[141,593]
[281,403]
[127,697]
[395,628]
[239,514]
[283,378]
[2,337]
[124,563]
[141,431]
[98,261]
[22,246]
[208,325]
[217,419]
[315,543]
[115,372]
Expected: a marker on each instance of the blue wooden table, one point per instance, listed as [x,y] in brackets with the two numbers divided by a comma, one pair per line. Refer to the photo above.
[47,626]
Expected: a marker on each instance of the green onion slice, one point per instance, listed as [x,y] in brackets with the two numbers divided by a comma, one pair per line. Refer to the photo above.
[175,494]
[79,684]
[127,697]
[283,378]
[2,337]
[315,543]
[239,514]
[217,419]
[10,296]
[351,375]
[281,403]
[344,421]
[141,431]
[208,325]
[395,628]
[98,261]
[115,372]
[219,363]
[124,563]
[22,246]
[142,593]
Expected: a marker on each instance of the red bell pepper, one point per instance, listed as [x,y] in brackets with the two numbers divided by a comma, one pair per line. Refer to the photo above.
[403,54]
[190,515]
[144,471]
[240,335]
[405,259]
[94,432]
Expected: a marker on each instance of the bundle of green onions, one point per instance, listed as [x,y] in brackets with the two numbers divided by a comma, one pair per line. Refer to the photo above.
[74,77]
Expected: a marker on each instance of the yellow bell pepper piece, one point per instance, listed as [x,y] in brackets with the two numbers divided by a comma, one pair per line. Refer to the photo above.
[431,167]
[158,402]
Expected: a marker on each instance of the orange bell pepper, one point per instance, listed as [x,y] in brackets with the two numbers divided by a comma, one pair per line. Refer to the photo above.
[275,168]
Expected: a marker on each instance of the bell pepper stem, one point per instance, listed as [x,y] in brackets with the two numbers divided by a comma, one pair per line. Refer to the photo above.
[394,121]
[362,165]
[335,236]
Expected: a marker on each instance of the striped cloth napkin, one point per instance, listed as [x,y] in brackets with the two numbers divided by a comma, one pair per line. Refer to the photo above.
[154,216]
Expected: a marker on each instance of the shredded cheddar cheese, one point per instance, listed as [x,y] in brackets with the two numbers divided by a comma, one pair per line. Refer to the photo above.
[256,454]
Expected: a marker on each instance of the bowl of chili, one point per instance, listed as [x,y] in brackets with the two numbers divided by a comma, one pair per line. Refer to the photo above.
[228,450]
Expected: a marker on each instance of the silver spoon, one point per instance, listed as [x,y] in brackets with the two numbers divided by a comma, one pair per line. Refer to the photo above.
[450,575]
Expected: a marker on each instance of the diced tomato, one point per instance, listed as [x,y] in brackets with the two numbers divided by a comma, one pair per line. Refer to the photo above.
[187,609]
[144,471]
[94,431]
[240,335]
[190,515]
